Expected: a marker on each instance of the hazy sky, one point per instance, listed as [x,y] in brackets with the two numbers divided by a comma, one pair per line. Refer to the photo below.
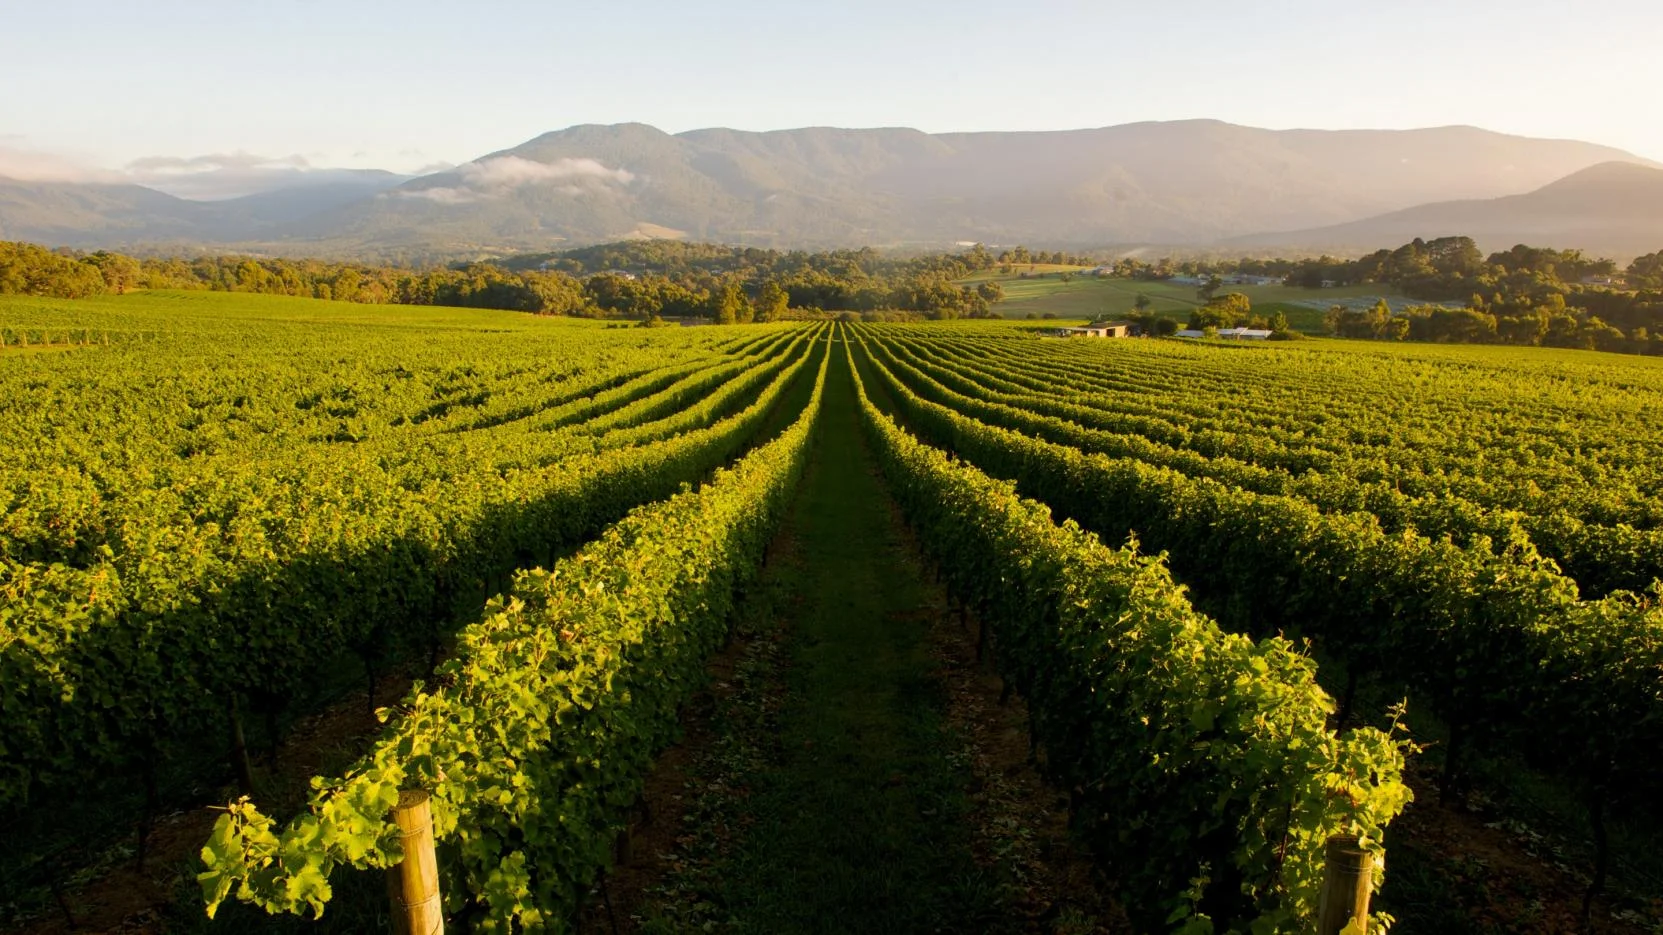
[408,84]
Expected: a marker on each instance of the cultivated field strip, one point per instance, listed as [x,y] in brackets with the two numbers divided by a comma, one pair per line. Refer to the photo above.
[66,492]
[611,391]
[1602,553]
[1391,437]
[1497,640]
[1398,404]
[1601,558]
[539,737]
[148,590]
[1200,764]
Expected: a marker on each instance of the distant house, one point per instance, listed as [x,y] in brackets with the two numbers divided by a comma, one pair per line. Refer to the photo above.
[1244,279]
[1233,334]
[1187,281]
[1599,281]
[1101,329]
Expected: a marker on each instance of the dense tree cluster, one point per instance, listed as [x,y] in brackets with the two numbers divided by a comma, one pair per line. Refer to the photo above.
[1552,324]
[628,280]
[1230,310]
[1526,295]
[1439,269]
[1020,256]
[861,280]
[26,269]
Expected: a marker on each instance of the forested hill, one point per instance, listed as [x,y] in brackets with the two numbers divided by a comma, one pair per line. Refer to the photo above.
[1615,208]
[115,215]
[1179,182]
[1175,183]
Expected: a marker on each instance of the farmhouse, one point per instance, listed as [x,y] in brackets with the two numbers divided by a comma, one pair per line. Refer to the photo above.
[1244,279]
[1100,329]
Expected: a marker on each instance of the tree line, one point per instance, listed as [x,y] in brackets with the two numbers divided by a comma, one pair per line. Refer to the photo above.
[1525,295]
[642,281]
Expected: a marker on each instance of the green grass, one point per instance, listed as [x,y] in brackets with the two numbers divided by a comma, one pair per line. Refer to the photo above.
[233,312]
[1091,297]
[1083,297]
[859,822]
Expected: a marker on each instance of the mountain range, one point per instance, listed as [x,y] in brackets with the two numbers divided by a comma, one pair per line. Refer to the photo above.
[1191,183]
[1611,209]
[103,214]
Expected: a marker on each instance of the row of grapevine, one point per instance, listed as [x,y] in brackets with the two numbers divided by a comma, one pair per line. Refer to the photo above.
[1601,558]
[1556,466]
[1422,439]
[108,667]
[1494,637]
[105,464]
[23,337]
[542,727]
[1199,763]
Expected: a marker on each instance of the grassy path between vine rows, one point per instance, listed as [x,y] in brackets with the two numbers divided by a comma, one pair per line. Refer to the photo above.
[857,775]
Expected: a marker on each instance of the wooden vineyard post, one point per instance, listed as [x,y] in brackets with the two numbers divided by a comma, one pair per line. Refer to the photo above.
[413,884]
[239,748]
[1347,881]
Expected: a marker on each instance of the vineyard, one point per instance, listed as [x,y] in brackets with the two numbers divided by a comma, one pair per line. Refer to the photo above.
[1247,598]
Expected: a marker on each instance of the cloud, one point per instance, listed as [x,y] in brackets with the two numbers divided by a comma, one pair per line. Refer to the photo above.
[31,165]
[444,196]
[498,176]
[513,171]
[217,176]
[216,161]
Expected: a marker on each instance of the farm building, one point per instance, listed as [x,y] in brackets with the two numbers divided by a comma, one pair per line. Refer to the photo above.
[1244,279]
[1100,329]
[1234,334]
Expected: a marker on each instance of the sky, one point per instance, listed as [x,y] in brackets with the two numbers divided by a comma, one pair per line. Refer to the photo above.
[165,88]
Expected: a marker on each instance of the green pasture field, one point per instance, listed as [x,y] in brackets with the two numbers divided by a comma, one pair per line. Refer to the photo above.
[146,311]
[1092,297]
